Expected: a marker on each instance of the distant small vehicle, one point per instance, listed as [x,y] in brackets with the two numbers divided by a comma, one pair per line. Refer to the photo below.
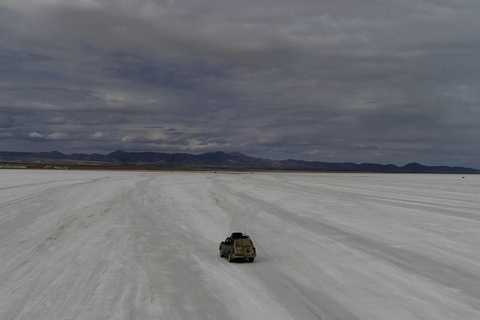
[238,246]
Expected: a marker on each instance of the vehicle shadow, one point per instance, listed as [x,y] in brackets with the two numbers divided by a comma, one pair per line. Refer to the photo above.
[241,261]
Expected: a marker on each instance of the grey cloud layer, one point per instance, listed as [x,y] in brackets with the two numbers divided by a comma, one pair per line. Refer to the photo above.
[335,80]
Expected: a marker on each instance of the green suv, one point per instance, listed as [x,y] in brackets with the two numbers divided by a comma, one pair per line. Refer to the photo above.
[238,246]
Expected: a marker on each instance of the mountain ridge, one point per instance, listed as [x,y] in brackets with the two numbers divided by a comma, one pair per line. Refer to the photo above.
[224,160]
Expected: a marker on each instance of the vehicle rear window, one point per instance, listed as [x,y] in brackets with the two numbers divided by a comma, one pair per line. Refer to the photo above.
[243,243]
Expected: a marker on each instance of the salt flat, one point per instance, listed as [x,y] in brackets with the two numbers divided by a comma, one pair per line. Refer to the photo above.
[144,245]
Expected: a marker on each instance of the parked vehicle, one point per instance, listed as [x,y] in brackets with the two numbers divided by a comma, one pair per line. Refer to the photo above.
[238,246]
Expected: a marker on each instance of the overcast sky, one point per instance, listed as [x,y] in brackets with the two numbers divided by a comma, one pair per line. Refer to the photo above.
[327,80]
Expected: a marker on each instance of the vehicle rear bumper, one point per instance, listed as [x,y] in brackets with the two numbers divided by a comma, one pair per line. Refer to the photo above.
[243,256]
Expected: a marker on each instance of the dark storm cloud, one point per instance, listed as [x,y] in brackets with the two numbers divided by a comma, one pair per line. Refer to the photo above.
[6,121]
[373,81]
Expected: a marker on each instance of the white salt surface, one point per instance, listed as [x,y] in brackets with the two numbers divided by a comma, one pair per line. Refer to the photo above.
[133,245]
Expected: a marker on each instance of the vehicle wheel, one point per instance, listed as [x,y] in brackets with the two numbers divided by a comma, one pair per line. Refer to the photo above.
[230,258]
[251,259]
[221,254]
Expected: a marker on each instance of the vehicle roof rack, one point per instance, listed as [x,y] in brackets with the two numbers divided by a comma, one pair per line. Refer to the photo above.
[239,235]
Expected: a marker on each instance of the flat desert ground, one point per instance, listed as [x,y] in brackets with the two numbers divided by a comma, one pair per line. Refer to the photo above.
[144,245]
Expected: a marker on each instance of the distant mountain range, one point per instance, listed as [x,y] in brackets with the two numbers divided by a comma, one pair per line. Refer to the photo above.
[219,160]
